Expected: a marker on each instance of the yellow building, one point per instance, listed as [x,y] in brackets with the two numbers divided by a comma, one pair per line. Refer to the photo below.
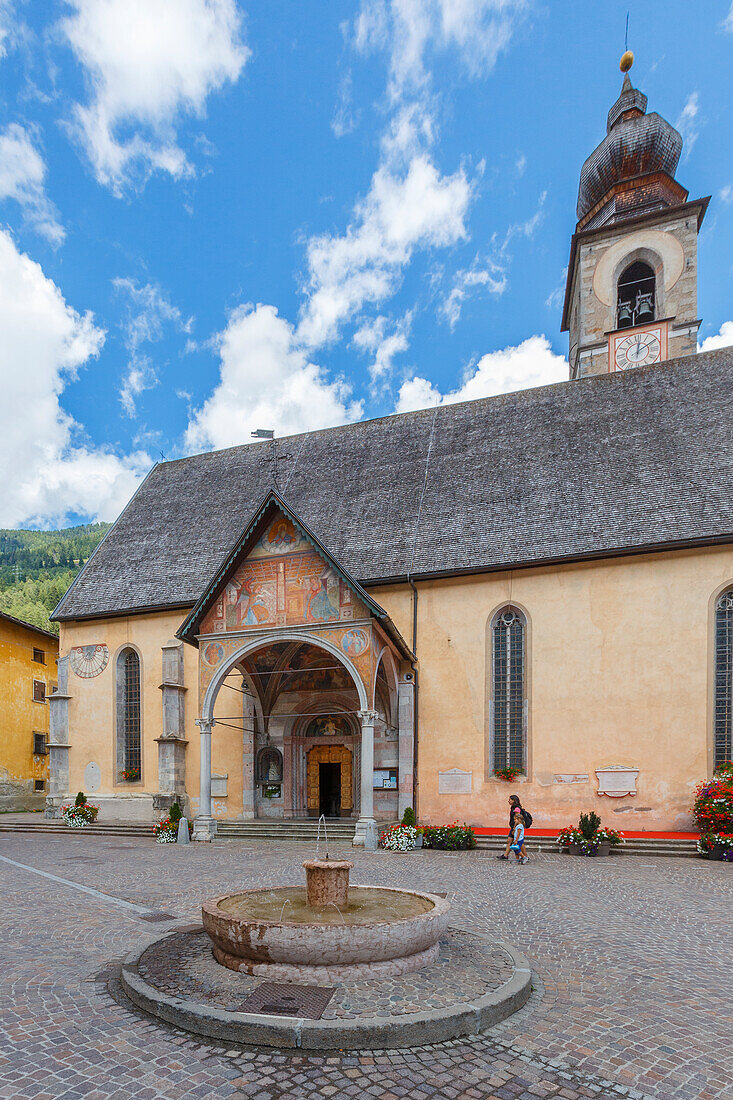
[27,679]
[397,611]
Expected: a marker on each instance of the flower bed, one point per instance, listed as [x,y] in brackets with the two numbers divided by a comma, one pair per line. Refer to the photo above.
[76,817]
[399,838]
[716,846]
[166,831]
[448,837]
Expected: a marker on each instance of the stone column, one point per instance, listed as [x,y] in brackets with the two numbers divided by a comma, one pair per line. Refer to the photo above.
[58,743]
[204,825]
[366,815]
[248,756]
[406,727]
[172,744]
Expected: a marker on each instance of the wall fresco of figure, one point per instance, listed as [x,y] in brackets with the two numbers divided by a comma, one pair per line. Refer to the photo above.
[284,581]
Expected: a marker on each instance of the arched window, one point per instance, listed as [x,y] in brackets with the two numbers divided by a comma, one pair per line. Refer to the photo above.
[636,295]
[129,748]
[723,717]
[508,690]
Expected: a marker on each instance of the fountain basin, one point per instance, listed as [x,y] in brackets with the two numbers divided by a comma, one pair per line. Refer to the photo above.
[274,933]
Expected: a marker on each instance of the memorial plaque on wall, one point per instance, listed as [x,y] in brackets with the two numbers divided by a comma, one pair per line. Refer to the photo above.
[454,781]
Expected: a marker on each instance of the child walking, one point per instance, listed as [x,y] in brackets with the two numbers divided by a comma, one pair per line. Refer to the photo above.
[518,841]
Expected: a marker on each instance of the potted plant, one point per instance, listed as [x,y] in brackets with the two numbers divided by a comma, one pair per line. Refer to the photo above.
[130,775]
[608,839]
[589,838]
[399,838]
[166,831]
[508,774]
[451,838]
[713,814]
[79,815]
[408,818]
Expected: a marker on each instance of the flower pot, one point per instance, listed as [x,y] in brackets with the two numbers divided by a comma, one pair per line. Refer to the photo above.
[418,840]
[604,848]
[576,850]
[718,851]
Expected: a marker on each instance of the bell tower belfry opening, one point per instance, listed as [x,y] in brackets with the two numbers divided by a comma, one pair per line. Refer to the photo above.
[631,293]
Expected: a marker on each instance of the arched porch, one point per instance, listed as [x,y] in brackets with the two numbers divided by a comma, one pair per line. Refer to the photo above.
[308,717]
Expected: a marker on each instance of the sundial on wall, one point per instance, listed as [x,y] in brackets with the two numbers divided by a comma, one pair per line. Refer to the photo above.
[89,660]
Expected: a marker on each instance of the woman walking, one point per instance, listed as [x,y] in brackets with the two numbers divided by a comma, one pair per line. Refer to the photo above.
[514,804]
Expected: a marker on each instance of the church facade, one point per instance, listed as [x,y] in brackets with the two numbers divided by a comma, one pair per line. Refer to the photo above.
[404,611]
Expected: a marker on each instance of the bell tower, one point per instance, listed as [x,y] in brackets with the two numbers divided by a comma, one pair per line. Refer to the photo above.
[631,293]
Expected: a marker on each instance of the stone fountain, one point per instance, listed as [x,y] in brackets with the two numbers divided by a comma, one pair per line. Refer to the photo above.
[327,931]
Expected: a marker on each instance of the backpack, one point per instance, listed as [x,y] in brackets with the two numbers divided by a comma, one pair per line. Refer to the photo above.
[527,818]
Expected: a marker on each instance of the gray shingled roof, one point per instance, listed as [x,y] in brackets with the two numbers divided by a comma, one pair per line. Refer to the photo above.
[612,463]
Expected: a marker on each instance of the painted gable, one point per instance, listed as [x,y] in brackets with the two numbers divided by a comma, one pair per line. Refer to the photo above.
[283,581]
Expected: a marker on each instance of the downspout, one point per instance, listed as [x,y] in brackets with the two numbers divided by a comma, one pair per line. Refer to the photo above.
[416,696]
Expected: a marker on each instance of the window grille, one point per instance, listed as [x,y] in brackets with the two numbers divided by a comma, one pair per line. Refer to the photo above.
[131,710]
[39,784]
[39,691]
[509,690]
[723,703]
[39,744]
[39,656]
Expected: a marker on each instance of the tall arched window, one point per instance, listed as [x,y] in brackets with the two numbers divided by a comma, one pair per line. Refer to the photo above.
[129,748]
[636,295]
[723,714]
[508,690]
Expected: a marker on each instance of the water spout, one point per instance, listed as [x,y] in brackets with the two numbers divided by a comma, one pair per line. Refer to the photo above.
[322,818]
[333,903]
[286,902]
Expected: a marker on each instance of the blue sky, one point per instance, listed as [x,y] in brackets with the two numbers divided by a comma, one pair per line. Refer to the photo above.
[220,215]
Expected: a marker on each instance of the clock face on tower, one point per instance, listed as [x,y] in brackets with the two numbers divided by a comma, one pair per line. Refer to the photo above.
[638,348]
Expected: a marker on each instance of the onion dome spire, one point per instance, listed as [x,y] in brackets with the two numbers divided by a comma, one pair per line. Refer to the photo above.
[632,170]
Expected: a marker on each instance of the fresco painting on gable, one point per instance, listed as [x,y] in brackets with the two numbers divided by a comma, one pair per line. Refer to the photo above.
[282,582]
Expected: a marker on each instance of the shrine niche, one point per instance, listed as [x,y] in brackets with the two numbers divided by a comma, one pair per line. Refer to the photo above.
[270,766]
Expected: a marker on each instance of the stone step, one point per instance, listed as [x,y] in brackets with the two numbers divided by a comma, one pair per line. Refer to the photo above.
[133,829]
[651,846]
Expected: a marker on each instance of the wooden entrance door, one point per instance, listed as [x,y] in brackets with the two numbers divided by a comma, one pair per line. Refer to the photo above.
[330,754]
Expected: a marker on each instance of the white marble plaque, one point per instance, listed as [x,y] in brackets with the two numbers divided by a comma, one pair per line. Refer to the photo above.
[617,781]
[92,777]
[454,781]
[219,786]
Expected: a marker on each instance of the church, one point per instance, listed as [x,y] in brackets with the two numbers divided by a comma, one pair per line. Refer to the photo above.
[407,611]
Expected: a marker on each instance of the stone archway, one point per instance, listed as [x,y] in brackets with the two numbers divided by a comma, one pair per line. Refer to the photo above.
[204,825]
[330,754]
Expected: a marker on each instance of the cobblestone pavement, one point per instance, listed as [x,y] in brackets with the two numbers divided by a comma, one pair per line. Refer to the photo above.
[183,966]
[630,956]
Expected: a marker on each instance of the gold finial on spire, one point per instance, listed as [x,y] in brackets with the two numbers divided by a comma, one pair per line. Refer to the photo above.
[627,60]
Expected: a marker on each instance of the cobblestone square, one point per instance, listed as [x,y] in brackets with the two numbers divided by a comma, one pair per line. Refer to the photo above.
[630,957]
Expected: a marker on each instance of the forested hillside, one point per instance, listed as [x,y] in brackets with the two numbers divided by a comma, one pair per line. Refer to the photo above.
[36,568]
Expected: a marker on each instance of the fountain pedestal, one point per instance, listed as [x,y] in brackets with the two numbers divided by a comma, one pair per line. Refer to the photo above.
[327,882]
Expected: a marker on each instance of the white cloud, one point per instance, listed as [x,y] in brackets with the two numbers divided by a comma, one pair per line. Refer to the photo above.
[148,312]
[345,117]
[374,339]
[22,178]
[50,471]
[521,164]
[148,63]
[726,194]
[688,122]
[477,31]
[721,339]
[404,210]
[728,21]
[266,381]
[490,276]
[531,363]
